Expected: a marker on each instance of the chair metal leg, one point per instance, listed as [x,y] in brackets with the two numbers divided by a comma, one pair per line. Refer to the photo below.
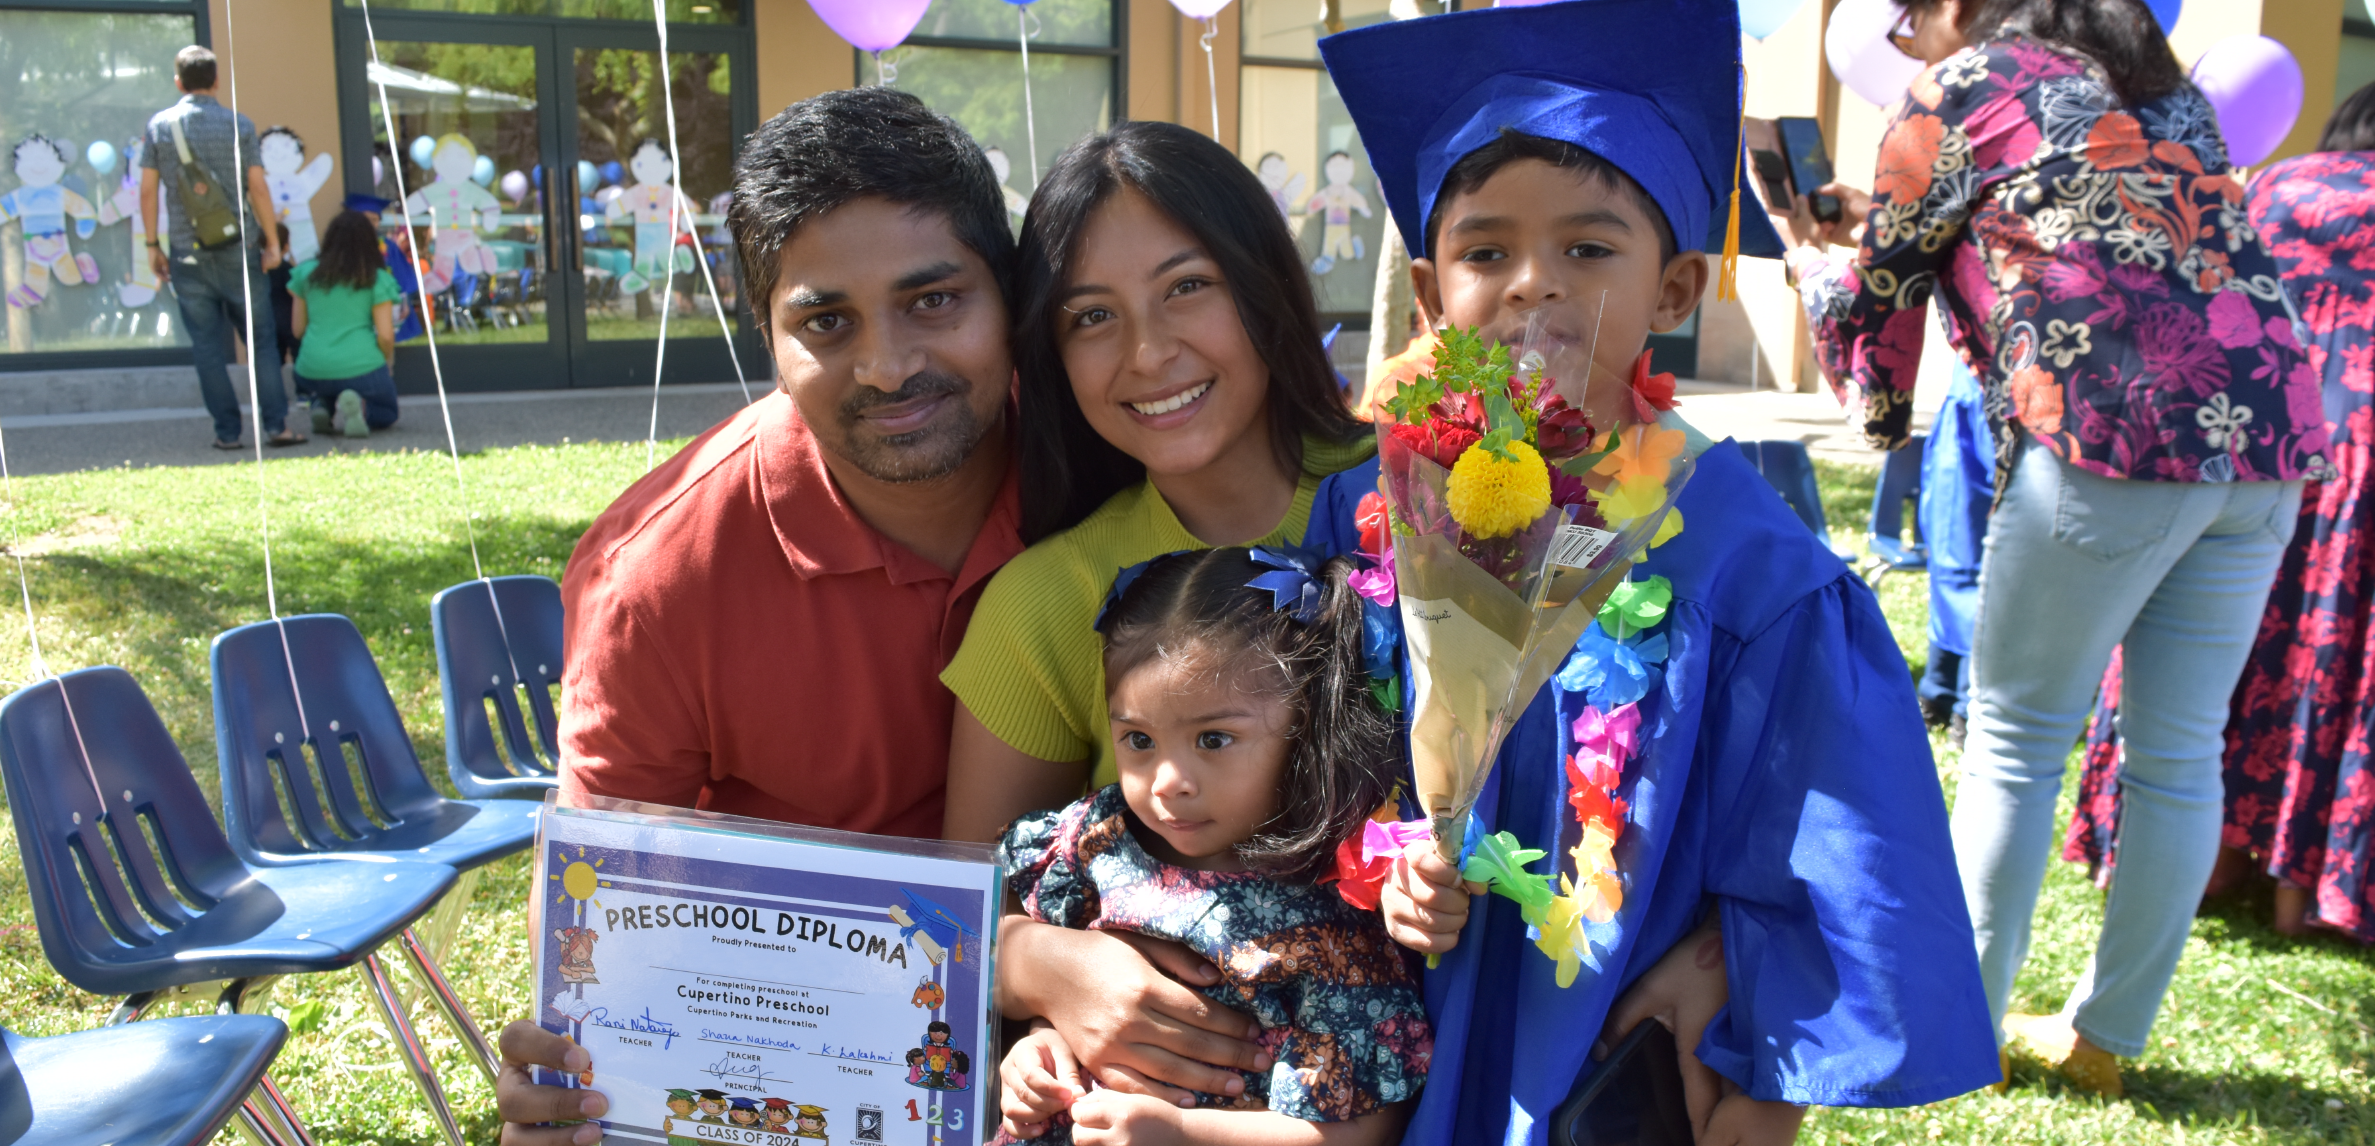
[268,1119]
[133,1006]
[409,1046]
[457,1015]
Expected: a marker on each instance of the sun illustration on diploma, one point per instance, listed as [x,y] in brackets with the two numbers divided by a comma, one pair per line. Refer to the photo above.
[578,879]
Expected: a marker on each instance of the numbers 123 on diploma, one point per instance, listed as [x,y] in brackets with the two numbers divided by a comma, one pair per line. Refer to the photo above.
[743,982]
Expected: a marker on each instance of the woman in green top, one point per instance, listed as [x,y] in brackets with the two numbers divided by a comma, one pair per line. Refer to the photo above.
[345,313]
[1175,395]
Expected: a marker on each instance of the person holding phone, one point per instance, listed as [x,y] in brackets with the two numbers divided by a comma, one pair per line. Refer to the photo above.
[2061,187]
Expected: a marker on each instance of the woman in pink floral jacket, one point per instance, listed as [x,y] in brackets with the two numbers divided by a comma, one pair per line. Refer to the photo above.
[2059,186]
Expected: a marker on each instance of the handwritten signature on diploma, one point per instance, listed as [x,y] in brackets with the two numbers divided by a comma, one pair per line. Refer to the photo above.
[726,1068]
[642,1024]
[824,1050]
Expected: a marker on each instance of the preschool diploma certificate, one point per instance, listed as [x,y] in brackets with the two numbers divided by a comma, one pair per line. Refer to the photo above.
[742,981]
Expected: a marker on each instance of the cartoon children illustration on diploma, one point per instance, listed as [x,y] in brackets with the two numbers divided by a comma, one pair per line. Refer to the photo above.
[648,203]
[577,954]
[710,1105]
[742,1112]
[811,1123]
[778,1114]
[42,206]
[936,1065]
[458,208]
[1335,203]
[293,182]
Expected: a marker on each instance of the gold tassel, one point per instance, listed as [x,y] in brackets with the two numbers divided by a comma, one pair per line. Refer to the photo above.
[1727,278]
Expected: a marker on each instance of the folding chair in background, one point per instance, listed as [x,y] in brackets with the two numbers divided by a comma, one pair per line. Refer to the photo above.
[502,737]
[137,892]
[165,1082]
[317,768]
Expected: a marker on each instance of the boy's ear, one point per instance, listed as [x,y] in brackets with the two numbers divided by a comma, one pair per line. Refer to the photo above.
[1679,288]
[1427,291]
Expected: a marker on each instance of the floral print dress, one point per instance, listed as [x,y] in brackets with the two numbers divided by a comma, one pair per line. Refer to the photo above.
[1338,1002]
[2300,774]
[2094,266]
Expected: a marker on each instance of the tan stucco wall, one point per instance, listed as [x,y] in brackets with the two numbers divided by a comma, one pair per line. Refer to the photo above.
[798,56]
[290,76]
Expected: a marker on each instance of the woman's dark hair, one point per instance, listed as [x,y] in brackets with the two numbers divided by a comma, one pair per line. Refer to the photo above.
[351,253]
[1067,469]
[1340,768]
[2352,126]
[827,151]
[2121,36]
[1482,164]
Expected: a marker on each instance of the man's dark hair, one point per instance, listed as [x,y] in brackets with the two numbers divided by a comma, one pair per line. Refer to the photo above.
[827,151]
[2352,126]
[2122,37]
[1067,469]
[1198,604]
[1480,165]
[194,67]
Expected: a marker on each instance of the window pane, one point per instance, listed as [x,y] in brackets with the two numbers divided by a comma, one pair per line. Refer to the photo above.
[679,11]
[72,263]
[983,90]
[1295,133]
[467,115]
[1290,29]
[632,267]
[472,7]
[1086,22]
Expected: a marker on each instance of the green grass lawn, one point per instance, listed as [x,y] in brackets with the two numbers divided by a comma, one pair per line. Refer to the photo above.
[2263,1038]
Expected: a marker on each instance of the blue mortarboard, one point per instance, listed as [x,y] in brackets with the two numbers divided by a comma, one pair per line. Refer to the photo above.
[367,204]
[1652,86]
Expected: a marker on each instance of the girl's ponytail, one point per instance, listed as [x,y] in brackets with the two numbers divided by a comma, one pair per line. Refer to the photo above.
[1343,762]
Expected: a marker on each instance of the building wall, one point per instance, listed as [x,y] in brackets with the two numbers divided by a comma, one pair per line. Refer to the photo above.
[290,77]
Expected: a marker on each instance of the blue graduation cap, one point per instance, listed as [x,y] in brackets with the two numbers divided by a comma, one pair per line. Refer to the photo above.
[368,204]
[1652,86]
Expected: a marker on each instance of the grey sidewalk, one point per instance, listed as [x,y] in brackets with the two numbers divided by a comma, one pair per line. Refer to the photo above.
[61,443]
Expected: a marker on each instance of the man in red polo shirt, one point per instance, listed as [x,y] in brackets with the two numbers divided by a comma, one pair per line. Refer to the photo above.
[758,625]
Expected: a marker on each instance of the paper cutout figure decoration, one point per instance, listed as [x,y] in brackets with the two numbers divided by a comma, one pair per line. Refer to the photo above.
[293,182]
[1335,204]
[1284,183]
[647,202]
[41,206]
[457,210]
[140,284]
[1017,203]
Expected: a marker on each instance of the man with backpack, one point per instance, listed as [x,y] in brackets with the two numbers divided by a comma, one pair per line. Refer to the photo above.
[211,255]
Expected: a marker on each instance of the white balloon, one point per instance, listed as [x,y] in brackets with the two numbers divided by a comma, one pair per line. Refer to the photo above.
[1857,47]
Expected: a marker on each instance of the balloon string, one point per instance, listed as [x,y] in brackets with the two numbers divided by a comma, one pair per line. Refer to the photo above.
[41,669]
[1211,82]
[886,72]
[1022,18]
[693,227]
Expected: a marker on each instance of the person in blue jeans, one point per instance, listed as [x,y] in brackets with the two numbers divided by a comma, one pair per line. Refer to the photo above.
[343,307]
[1957,490]
[218,287]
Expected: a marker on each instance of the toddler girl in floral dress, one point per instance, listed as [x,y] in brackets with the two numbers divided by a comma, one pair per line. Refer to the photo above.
[1249,747]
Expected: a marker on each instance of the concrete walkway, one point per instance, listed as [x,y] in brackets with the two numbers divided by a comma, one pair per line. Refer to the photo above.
[59,443]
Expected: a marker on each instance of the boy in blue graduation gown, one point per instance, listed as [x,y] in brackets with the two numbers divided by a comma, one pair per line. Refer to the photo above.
[1569,160]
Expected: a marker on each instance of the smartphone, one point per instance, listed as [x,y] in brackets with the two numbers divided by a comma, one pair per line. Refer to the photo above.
[1633,1098]
[1809,162]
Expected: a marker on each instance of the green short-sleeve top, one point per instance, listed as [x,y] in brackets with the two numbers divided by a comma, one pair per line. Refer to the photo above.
[1032,667]
[340,341]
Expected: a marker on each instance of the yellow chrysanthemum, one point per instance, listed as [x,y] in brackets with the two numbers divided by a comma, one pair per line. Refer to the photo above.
[1494,498]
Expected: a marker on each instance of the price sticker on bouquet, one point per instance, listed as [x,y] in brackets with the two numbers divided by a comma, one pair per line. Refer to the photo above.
[742,981]
[1578,544]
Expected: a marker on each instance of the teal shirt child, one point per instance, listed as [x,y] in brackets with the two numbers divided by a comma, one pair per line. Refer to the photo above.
[339,339]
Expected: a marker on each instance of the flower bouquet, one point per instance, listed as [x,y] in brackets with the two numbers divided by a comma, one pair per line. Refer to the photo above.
[1512,520]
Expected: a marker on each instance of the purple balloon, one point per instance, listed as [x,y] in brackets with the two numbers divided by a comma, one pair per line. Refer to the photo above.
[871,25]
[2256,85]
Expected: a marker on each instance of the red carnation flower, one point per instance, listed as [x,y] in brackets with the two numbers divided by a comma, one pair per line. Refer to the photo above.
[1440,444]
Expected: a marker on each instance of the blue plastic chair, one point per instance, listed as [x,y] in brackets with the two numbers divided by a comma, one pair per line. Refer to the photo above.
[137,892]
[335,778]
[1790,471]
[170,1082]
[1900,483]
[499,640]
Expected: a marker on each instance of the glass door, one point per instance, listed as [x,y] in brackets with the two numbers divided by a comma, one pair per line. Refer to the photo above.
[534,158]
[646,245]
